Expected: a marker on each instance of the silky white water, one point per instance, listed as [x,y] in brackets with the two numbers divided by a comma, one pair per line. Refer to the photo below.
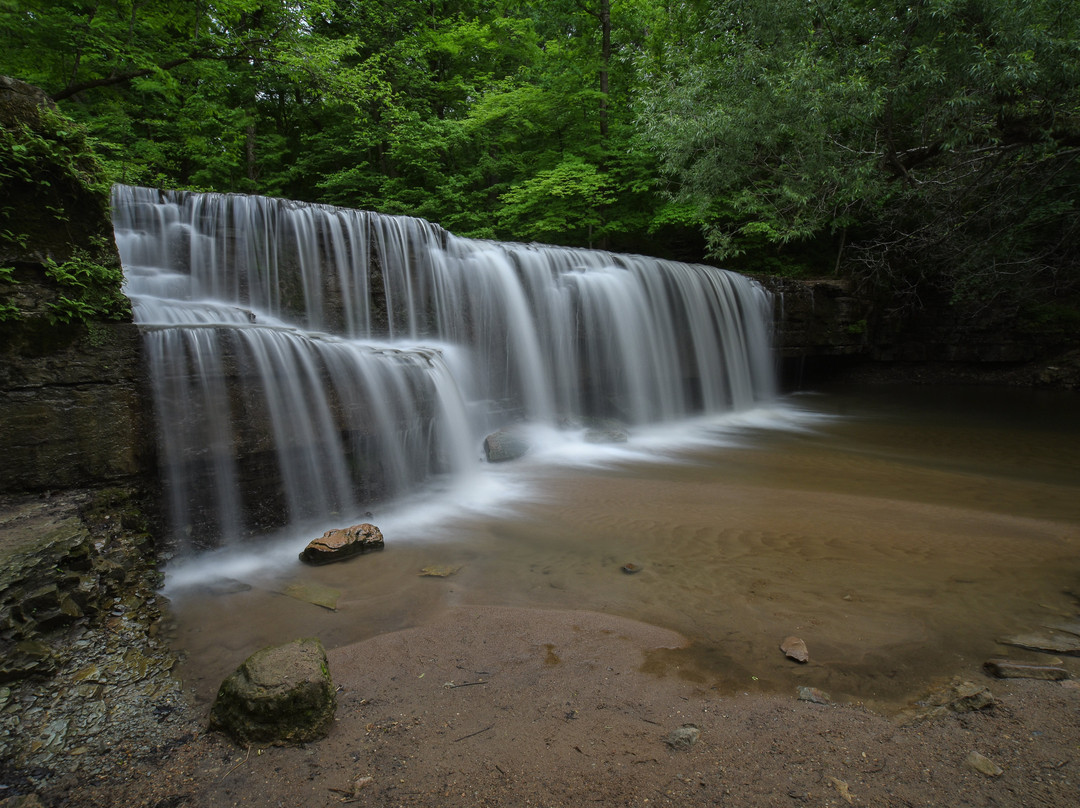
[309,361]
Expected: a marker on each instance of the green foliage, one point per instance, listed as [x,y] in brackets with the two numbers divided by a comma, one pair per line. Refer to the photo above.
[8,310]
[567,200]
[927,146]
[89,290]
[54,153]
[934,144]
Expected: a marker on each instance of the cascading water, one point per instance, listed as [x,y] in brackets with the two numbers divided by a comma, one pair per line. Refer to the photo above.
[307,359]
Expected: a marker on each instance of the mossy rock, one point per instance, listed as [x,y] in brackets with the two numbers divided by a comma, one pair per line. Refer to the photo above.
[280,695]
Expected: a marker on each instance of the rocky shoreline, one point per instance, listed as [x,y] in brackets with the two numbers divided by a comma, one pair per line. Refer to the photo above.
[496,706]
[86,672]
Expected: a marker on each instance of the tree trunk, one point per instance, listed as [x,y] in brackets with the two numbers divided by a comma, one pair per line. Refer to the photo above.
[604,15]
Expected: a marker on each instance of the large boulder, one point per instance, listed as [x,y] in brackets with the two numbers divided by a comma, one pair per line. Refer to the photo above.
[280,695]
[504,445]
[343,543]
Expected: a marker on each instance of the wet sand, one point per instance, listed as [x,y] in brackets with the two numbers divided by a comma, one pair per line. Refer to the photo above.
[497,706]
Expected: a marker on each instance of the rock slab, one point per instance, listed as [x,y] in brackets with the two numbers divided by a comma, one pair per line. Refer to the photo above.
[1049,642]
[281,695]
[794,648]
[342,544]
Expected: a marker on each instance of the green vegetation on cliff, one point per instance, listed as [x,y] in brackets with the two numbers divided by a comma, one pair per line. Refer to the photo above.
[54,218]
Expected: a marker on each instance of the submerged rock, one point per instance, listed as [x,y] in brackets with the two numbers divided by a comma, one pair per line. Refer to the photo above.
[814,696]
[341,544]
[504,445]
[439,570]
[280,695]
[956,697]
[613,434]
[1051,642]
[315,594]
[795,648]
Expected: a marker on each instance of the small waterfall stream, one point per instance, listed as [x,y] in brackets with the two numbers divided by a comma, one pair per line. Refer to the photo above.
[308,359]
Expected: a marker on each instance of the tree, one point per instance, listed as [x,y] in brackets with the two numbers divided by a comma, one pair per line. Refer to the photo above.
[930,144]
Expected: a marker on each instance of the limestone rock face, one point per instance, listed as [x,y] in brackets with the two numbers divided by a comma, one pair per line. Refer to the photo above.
[74,408]
[338,545]
[280,695]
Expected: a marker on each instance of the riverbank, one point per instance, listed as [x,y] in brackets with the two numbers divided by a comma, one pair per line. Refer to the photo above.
[500,706]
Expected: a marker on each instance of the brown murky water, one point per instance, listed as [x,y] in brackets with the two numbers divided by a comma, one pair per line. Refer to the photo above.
[899,536]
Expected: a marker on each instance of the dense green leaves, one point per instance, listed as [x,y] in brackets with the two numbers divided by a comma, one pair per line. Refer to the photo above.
[931,144]
[926,143]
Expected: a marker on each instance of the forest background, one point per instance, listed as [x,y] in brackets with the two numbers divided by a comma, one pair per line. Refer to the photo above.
[919,148]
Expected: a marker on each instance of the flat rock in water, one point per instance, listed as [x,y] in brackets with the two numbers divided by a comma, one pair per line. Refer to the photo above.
[316,594]
[341,544]
[1011,669]
[1068,626]
[439,571]
[1049,642]
[794,648]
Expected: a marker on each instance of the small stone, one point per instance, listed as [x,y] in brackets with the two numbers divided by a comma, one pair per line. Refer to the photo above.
[983,764]
[1011,669]
[630,569]
[683,737]
[339,545]
[842,787]
[814,696]
[794,648]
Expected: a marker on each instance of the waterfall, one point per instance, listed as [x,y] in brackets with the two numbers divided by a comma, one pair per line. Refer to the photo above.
[308,359]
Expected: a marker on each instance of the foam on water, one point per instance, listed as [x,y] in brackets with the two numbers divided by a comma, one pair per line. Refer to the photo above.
[496,491]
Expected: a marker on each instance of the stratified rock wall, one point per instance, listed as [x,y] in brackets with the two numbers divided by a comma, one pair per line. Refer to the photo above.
[825,328]
[73,412]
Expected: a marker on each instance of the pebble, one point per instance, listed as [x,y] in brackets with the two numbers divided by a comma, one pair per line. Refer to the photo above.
[983,764]
[683,737]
